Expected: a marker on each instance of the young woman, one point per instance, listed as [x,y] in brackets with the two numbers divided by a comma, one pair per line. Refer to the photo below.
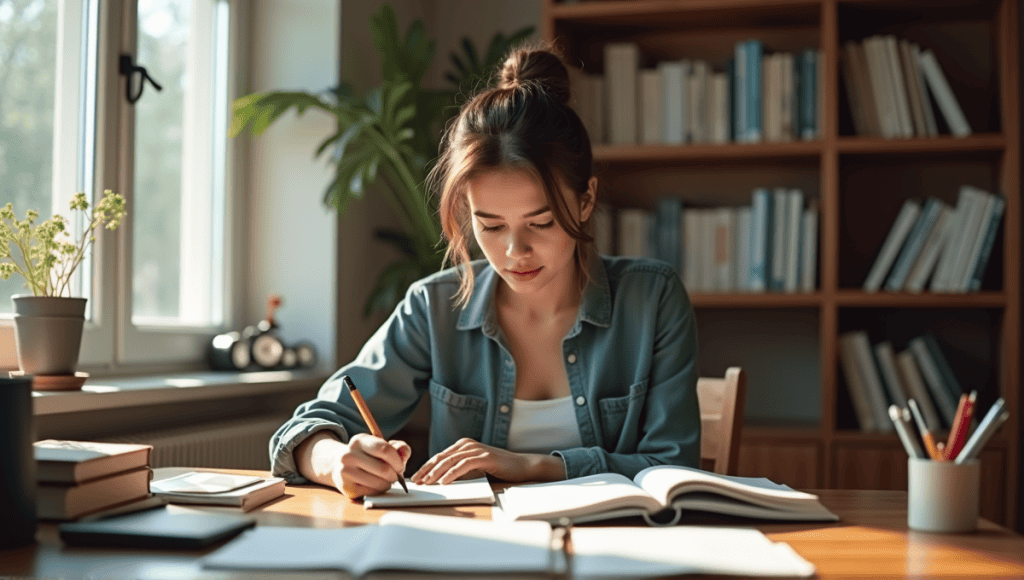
[544,361]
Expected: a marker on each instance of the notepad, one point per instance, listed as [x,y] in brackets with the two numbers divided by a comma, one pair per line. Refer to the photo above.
[468,492]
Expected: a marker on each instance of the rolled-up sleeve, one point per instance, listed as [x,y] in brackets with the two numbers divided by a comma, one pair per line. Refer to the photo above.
[391,372]
[670,428]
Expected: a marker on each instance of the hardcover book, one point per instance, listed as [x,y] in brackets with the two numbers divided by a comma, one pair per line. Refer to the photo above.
[78,461]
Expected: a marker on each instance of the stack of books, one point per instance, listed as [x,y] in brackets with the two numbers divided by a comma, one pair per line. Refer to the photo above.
[887,84]
[877,377]
[948,246]
[77,479]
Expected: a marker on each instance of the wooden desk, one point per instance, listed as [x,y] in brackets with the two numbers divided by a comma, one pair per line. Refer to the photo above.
[871,540]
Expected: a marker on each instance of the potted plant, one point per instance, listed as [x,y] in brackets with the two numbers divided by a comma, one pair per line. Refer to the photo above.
[389,137]
[48,322]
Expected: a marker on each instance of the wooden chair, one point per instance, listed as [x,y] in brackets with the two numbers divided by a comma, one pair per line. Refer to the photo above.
[721,418]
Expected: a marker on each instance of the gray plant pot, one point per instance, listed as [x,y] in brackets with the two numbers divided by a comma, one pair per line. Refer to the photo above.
[48,333]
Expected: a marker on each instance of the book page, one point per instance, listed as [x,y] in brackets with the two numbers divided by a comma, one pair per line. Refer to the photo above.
[576,497]
[633,552]
[401,541]
[411,541]
[665,482]
[203,483]
[470,491]
[291,548]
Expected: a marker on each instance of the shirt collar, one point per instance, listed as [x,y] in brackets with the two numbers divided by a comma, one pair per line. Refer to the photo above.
[595,307]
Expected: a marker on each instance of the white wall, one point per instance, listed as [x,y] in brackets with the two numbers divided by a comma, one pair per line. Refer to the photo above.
[322,266]
[291,233]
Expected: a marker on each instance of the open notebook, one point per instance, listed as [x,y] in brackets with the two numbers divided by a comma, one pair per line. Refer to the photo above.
[660,494]
[428,543]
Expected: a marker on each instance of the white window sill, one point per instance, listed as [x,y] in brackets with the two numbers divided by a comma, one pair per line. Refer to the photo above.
[121,392]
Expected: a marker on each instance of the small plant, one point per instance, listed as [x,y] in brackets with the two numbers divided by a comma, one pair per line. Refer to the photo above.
[49,255]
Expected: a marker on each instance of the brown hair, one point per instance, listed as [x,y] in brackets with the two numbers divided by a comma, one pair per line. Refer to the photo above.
[524,123]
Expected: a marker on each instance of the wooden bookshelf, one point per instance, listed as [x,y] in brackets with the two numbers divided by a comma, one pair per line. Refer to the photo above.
[860,184]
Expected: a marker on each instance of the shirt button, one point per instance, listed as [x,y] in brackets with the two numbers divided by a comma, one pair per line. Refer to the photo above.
[581,401]
[508,362]
[571,358]
[504,409]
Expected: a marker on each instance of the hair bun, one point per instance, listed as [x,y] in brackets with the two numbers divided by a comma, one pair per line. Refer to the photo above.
[534,66]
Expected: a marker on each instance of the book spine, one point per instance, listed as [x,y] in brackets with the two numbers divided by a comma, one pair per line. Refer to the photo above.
[976,242]
[899,87]
[949,380]
[971,224]
[932,378]
[808,84]
[872,381]
[743,250]
[794,215]
[944,95]
[887,363]
[650,107]
[996,218]
[926,103]
[808,269]
[897,234]
[909,372]
[777,278]
[760,239]
[740,93]
[754,91]
[909,68]
[672,101]
[925,263]
[952,244]
[855,385]
[913,245]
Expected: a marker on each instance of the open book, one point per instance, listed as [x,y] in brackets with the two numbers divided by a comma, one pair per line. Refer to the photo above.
[429,543]
[660,494]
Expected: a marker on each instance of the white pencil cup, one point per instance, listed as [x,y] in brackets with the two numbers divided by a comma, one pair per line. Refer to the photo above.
[942,495]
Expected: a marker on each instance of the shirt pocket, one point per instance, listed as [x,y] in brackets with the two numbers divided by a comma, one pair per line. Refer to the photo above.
[454,416]
[620,419]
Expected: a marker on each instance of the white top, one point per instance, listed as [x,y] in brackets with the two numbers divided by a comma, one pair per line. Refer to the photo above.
[543,426]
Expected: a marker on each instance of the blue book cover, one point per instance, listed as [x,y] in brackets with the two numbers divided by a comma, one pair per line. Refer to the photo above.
[760,239]
[996,218]
[753,55]
[912,247]
[808,94]
[739,93]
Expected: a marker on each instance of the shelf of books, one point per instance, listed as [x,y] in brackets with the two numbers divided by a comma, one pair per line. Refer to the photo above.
[836,182]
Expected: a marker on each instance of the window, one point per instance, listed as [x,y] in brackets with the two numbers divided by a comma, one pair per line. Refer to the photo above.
[157,288]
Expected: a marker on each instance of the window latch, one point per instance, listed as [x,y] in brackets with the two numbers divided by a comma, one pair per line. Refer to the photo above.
[137,77]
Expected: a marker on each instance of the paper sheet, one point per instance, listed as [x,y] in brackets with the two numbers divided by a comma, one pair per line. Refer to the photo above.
[470,491]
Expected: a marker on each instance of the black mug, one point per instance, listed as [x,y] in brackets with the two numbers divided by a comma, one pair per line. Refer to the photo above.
[17,463]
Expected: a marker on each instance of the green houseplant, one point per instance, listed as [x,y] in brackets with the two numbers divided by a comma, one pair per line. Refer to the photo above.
[388,138]
[48,323]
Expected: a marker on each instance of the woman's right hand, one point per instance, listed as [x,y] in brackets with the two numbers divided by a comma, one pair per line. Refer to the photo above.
[368,465]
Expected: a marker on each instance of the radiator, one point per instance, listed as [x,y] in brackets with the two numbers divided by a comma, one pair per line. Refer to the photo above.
[229,444]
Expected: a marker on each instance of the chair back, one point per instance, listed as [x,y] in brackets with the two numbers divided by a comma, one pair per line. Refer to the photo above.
[721,419]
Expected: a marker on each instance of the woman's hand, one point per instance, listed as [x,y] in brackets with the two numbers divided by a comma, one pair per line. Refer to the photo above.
[467,456]
[368,465]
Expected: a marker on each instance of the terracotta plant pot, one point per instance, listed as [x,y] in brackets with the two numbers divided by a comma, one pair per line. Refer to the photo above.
[48,333]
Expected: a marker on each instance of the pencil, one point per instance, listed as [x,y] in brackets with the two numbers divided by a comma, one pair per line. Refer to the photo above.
[958,433]
[957,418]
[926,434]
[368,418]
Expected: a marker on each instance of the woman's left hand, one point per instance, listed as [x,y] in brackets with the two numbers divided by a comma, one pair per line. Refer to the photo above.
[466,456]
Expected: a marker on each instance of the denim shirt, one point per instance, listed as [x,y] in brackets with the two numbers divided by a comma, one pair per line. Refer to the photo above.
[630,358]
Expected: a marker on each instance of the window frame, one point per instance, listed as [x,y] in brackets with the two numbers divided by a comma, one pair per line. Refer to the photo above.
[111,343]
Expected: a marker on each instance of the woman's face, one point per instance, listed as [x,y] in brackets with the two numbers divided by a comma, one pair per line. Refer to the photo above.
[516,229]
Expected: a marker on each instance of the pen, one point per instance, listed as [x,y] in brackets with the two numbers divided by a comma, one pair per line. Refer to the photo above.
[958,432]
[993,419]
[900,418]
[368,418]
[926,434]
